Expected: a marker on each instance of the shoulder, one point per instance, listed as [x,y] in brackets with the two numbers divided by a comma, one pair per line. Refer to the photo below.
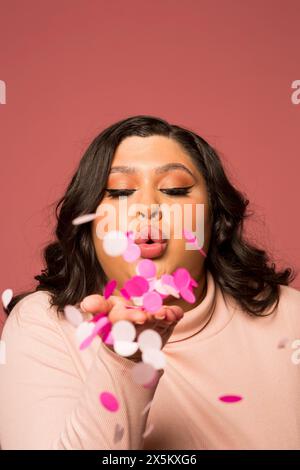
[289,305]
[289,297]
[33,312]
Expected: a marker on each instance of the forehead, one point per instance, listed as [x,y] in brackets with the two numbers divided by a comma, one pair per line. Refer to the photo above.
[149,150]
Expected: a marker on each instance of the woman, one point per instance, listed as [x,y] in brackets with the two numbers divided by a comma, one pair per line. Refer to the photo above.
[230,381]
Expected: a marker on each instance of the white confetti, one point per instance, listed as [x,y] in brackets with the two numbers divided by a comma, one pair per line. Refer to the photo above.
[149,339]
[84,330]
[7,295]
[83,219]
[123,330]
[125,348]
[154,357]
[115,243]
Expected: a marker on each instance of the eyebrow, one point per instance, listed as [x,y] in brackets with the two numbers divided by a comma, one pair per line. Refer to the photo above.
[158,170]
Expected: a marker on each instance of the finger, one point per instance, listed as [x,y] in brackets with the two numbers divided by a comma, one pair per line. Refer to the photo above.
[96,303]
[170,316]
[178,311]
[133,315]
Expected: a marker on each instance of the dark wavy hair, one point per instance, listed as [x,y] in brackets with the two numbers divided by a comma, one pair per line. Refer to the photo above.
[72,268]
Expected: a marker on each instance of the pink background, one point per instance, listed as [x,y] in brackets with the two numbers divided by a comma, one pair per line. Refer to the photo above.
[223,68]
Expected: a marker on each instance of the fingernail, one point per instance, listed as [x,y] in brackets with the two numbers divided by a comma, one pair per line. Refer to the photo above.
[160,317]
[140,322]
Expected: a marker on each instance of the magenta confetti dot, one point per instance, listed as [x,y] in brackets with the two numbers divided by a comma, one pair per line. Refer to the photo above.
[152,301]
[98,316]
[109,288]
[182,278]
[230,398]
[136,286]
[125,293]
[109,401]
[146,268]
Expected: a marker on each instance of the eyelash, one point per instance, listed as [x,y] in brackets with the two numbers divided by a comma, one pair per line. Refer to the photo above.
[113,193]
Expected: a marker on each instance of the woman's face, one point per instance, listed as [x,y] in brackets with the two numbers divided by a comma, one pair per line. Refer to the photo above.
[142,165]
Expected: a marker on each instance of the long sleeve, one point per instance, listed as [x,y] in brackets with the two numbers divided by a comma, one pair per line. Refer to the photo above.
[45,403]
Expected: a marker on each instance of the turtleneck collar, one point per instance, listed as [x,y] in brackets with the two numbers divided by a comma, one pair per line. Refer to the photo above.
[207,318]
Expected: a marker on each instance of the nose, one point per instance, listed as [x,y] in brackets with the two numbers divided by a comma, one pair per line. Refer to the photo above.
[155,213]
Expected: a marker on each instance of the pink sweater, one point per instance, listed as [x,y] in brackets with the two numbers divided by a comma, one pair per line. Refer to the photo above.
[50,389]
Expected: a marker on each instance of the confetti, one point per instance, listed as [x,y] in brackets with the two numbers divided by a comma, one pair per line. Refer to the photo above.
[125,348]
[7,295]
[188,295]
[109,401]
[109,288]
[190,237]
[230,398]
[136,286]
[181,278]
[154,357]
[115,243]
[149,339]
[82,219]
[152,301]
[96,328]
[123,330]
[73,315]
[146,268]
[132,253]
[84,330]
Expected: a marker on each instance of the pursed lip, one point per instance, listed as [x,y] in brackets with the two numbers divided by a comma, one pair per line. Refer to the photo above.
[150,233]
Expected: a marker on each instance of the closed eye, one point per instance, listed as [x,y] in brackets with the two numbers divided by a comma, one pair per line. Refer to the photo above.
[183,191]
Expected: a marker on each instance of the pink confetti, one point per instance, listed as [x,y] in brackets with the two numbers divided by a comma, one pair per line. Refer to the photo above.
[230,398]
[146,268]
[136,286]
[182,278]
[192,239]
[125,293]
[188,295]
[98,326]
[152,301]
[169,280]
[98,316]
[132,253]
[109,401]
[109,288]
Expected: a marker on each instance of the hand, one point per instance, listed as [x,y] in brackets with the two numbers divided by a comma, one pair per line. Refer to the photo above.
[163,321]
